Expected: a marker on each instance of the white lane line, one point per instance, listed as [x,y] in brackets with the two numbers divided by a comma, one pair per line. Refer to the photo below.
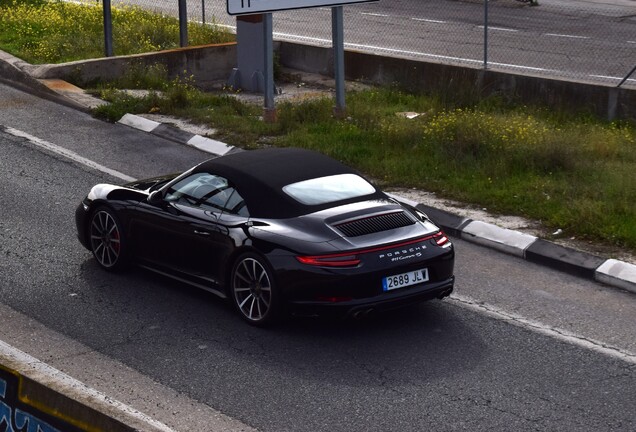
[504,29]
[412,53]
[634,42]
[375,14]
[429,20]
[66,385]
[68,154]
[537,327]
[566,36]
[611,77]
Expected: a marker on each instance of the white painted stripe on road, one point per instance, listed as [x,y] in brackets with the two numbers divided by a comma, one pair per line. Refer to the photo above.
[429,20]
[47,375]
[537,327]
[500,29]
[566,36]
[611,77]
[412,53]
[68,154]
[634,42]
[374,14]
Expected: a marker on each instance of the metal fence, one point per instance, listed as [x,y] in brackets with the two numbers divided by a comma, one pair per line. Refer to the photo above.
[585,40]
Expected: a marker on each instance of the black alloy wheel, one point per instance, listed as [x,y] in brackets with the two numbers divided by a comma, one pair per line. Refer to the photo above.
[253,290]
[106,239]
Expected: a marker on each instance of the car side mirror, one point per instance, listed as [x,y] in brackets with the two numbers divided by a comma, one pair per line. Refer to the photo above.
[155,198]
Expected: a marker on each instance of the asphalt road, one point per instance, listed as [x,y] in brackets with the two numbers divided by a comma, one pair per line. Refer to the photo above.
[519,347]
[594,41]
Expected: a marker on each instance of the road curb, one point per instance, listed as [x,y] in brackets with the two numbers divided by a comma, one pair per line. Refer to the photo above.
[175,134]
[611,272]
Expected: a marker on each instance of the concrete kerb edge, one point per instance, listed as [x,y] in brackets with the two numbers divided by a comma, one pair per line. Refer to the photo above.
[202,143]
[71,401]
[611,272]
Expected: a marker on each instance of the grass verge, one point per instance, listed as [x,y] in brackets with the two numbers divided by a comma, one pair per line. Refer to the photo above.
[41,31]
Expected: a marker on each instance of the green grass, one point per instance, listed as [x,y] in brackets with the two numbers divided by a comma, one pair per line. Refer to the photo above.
[40,31]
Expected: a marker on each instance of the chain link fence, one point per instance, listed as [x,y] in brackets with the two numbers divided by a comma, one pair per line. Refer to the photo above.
[586,40]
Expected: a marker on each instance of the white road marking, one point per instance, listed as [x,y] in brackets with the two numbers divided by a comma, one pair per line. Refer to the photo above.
[68,154]
[537,327]
[429,20]
[500,29]
[634,42]
[611,77]
[566,36]
[374,14]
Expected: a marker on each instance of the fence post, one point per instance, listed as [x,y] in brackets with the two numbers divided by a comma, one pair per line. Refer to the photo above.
[183,24]
[108,29]
[485,34]
[337,29]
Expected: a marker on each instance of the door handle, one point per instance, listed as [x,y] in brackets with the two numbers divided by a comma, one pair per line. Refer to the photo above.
[201,233]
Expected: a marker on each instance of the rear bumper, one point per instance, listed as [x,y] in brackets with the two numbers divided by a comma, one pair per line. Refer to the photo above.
[380,303]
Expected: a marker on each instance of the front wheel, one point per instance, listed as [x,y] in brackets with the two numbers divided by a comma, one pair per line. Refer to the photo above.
[253,291]
[106,238]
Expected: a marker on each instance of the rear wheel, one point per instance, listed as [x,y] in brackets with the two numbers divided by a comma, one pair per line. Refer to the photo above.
[253,290]
[106,239]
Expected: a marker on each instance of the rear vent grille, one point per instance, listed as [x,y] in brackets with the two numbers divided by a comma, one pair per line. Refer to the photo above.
[375,224]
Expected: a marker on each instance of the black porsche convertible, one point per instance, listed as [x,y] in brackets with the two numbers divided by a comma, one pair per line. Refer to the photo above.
[276,231]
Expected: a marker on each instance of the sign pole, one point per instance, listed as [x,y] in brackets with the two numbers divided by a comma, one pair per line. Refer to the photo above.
[269,113]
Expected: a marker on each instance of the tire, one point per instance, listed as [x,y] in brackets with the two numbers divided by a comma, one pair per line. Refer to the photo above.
[107,240]
[253,290]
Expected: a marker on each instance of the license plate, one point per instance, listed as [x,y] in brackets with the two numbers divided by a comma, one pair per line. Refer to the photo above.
[405,279]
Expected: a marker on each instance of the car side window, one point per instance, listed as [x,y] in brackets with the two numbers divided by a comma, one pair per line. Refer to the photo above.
[207,192]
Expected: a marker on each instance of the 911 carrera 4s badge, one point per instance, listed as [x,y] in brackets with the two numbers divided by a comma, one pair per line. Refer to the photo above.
[405,279]
[403,254]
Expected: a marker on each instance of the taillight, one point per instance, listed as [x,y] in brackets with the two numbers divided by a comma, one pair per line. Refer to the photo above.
[441,239]
[335,260]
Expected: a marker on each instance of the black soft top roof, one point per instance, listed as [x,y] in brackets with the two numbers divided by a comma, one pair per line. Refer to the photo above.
[260,175]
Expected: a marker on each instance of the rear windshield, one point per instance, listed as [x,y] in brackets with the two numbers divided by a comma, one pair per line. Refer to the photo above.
[329,189]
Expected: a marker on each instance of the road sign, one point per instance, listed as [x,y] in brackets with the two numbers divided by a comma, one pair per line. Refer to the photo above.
[245,7]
